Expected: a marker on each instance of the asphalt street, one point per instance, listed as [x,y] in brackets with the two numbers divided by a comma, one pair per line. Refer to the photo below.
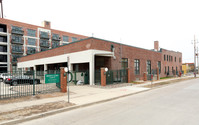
[175,104]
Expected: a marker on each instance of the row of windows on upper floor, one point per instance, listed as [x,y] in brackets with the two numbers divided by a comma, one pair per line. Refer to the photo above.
[32,33]
[18,49]
[16,39]
[170,58]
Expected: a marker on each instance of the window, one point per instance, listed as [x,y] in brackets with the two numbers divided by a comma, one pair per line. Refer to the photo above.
[31,41]
[167,58]
[3,39]
[31,32]
[44,35]
[148,66]
[17,49]
[168,70]
[159,66]
[74,39]
[164,57]
[3,58]
[55,44]
[44,43]
[3,48]
[179,59]
[17,39]
[175,59]
[17,30]
[65,38]
[55,37]
[124,63]
[165,70]
[14,57]
[176,70]
[137,66]
[3,28]
[171,58]
[31,50]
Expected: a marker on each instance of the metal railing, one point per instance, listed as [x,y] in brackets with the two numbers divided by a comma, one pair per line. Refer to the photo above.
[116,76]
[24,83]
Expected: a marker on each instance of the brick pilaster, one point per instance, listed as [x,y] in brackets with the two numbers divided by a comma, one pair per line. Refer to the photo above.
[158,75]
[63,80]
[103,77]
[145,76]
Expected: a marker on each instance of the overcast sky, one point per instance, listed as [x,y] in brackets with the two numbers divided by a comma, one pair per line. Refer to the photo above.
[134,22]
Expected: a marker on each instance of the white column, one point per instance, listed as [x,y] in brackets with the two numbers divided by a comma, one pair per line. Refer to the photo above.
[91,69]
[71,67]
[34,67]
[45,67]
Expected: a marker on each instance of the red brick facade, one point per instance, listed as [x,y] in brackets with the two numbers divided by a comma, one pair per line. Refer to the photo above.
[170,62]
[120,51]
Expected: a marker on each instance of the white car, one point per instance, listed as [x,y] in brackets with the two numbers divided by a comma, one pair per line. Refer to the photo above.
[4,76]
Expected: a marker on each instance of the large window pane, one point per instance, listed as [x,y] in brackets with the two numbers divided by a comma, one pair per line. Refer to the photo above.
[3,48]
[31,41]
[137,66]
[3,58]
[159,66]
[65,38]
[124,63]
[74,39]
[31,32]
[149,66]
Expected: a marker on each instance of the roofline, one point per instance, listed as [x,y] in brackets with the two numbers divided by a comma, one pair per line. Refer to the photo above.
[171,50]
[97,39]
[124,44]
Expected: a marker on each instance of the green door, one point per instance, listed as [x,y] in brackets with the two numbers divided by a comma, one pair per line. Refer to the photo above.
[86,78]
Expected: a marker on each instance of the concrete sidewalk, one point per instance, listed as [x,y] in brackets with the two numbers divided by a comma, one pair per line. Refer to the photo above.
[84,95]
[79,95]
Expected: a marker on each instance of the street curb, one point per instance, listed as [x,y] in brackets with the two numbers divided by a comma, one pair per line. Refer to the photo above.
[49,113]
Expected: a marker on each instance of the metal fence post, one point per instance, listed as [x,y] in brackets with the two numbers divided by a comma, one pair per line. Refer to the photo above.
[33,82]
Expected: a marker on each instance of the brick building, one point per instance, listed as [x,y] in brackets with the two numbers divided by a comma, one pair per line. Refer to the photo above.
[91,54]
[19,39]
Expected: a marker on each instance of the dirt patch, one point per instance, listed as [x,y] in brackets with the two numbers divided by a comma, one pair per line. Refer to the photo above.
[29,98]
[27,111]
[165,83]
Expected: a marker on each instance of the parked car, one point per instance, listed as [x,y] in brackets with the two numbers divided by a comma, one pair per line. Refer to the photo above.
[4,76]
[13,81]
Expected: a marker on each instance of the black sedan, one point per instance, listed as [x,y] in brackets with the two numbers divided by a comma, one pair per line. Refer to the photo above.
[13,81]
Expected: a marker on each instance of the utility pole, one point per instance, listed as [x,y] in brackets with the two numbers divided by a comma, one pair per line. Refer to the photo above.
[194,56]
